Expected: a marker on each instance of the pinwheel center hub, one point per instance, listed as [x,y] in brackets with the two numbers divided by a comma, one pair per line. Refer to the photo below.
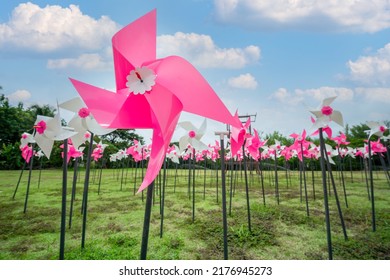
[40,127]
[84,112]
[382,128]
[327,110]
[139,77]
[192,134]
[24,136]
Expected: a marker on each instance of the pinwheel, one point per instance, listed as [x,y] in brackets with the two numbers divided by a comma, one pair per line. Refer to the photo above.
[150,93]
[253,145]
[82,121]
[238,136]
[324,115]
[193,136]
[26,139]
[376,128]
[48,130]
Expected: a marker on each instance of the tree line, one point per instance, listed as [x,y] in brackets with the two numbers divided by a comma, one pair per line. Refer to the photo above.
[15,120]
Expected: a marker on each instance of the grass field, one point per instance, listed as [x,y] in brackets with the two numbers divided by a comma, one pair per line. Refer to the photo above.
[115,218]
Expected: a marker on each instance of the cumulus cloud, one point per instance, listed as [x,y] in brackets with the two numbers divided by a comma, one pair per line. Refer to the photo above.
[335,16]
[301,95]
[375,95]
[91,61]
[54,28]
[373,69]
[244,81]
[203,52]
[19,96]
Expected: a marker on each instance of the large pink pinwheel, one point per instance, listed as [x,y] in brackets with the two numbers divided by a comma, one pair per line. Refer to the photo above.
[151,93]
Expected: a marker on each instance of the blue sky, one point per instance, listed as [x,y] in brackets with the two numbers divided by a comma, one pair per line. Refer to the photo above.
[270,57]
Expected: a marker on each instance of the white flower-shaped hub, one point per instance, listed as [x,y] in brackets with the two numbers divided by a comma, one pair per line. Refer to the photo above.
[141,80]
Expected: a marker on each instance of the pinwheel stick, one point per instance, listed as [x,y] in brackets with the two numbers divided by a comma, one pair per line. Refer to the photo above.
[145,231]
[371,187]
[63,207]
[20,177]
[304,180]
[85,195]
[74,183]
[224,212]
[29,178]
[246,188]
[40,172]
[324,185]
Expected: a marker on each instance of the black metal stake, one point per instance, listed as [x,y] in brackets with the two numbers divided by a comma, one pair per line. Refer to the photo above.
[29,178]
[85,196]
[145,231]
[74,183]
[63,207]
[324,185]
[371,187]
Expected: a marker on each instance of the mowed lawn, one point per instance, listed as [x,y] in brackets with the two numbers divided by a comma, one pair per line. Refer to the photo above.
[279,231]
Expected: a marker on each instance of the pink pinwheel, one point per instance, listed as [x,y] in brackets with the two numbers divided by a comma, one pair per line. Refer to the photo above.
[341,140]
[325,114]
[376,147]
[300,144]
[238,135]
[72,151]
[253,145]
[151,93]
[27,152]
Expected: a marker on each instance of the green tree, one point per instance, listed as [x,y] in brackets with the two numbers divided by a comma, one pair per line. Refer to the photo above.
[14,120]
[43,110]
[122,138]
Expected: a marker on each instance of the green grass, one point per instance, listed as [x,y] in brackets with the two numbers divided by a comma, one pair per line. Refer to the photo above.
[115,218]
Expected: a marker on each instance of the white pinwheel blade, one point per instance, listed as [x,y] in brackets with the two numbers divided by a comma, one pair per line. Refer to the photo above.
[187,126]
[183,142]
[73,105]
[94,127]
[202,129]
[327,101]
[45,144]
[198,145]
[337,117]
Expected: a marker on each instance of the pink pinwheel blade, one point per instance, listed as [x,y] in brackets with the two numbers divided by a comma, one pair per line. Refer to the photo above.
[133,45]
[192,89]
[166,109]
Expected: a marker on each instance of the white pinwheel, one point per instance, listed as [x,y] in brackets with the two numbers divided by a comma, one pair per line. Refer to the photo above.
[325,114]
[48,130]
[193,136]
[376,128]
[82,121]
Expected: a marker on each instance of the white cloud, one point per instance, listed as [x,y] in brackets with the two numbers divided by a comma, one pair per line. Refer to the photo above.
[333,15]
[375,95]
[302,95]
[372,70]
[85,61]
[201,51]
[244,81]
[54,28]
[19,96]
